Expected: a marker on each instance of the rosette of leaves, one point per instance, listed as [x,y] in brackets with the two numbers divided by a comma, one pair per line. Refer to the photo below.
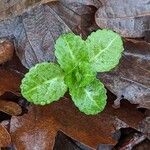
[78,63]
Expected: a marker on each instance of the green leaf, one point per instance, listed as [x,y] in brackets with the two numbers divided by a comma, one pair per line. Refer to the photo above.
[81,75]
[70,50]
[104,49]
[43,84]
[90,99]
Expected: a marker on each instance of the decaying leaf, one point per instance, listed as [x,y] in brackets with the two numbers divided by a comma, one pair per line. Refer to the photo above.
[9,81]
[131,79]
[10,108]
[42,124]
[13,8]
[6,50]
[35,37]
[5,138]
[129,18]
[78,14]
[36,30]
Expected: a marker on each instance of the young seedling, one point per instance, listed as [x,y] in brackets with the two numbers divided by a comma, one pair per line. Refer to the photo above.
[78,63]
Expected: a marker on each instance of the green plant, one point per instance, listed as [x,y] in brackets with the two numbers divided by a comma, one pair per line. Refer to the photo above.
[79,61]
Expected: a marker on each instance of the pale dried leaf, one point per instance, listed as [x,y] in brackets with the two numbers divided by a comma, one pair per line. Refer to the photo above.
[13,8]
[129,18]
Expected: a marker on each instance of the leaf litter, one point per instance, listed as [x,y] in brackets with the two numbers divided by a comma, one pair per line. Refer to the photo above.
[18,29]
[47,22]
[44,122]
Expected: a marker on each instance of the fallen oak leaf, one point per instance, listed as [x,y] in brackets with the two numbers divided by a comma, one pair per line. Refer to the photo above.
[78,15]
[11,108]
[5,138]
[129,18]
[43,123]
[9,81]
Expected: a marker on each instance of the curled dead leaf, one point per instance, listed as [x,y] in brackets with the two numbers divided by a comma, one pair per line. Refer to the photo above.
[10,108]
[6,50]
[5,138]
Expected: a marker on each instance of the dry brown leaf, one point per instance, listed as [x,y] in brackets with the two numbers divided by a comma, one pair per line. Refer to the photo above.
[38,128]
[5,138]
[12,8]
[6,50]
[9,81]
[129,18]
[10,108]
